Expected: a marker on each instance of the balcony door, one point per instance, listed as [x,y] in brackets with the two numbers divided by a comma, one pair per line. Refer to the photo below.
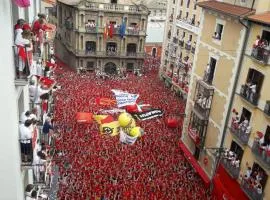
[90,46]
[246,114]
[255,77]
[131,48]
[237,150]
[110,68]
[212,64]
[257,169]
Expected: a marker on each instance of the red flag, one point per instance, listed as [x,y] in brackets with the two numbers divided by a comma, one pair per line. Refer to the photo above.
[105,34]
[111,30]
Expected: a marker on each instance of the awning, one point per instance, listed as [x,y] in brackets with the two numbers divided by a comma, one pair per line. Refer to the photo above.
[194,163]
[225,187]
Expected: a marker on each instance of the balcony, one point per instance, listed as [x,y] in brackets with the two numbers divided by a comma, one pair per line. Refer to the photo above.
[39,174]
[202,109]
[267,108]
[133,31]
[112,53]
[193,50]
[194,135]
[247,94]
[251,192]
[21,62]
[261,55]
[261,153]
[86,53]
[135,54]
[185,25]
[188,46]
[26,151]
[240,133]
[232,170]
[90,29]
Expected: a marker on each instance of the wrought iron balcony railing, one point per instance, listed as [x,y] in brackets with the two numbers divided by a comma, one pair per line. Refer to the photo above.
[241,133]
[262,154]
[231,169]
[250,190]
[248,95]
[261,54]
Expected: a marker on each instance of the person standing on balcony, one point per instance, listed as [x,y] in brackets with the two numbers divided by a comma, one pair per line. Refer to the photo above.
[22,42]
[252,90]
[26,141]
[47,126]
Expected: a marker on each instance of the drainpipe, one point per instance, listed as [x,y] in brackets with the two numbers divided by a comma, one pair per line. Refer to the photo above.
[232,96]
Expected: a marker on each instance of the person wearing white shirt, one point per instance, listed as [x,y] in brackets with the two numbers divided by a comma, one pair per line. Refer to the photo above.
[24,116]
[32,88]
[26,141]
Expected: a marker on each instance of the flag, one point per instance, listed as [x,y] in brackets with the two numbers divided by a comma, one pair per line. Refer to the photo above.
[105,34]
[125,98]
[105,101]
[111,30]
[97,27]
[148,114]
[123,28]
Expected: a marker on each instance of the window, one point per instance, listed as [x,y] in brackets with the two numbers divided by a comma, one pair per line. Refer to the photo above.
[218,33]
[267,136]
[181,4]
[210,71]
[193,20]
[237,150]
[246,115]
[266,36]
[81,63]
[112,22]
[257,169]
[188,2]
[184,34]
[113,1]
[255,77]
[82,20]
[190,38]
[90,66]
[195,4]
[130,67]
[173,1]
[186,15]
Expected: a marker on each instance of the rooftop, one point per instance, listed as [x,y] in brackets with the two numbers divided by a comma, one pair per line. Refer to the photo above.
[226,8]
[262,18]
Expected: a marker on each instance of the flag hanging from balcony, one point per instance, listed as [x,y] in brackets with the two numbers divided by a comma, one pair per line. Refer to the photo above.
[111,30]
[105,34]
[123,28]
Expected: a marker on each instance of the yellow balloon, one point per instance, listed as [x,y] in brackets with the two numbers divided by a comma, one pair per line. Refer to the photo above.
[136,131]
[124,119]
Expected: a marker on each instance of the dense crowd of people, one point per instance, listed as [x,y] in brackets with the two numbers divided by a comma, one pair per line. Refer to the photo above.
[94,166]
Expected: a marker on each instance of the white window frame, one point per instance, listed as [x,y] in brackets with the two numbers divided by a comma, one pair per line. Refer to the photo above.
[221,22]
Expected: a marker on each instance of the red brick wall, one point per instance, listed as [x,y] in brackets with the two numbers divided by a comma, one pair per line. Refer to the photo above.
[148,49]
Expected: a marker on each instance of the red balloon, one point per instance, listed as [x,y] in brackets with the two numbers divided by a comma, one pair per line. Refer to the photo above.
[132,108]
[172,122]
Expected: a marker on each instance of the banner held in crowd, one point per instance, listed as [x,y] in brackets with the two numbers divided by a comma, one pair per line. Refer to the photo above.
[148,114]
[125,98]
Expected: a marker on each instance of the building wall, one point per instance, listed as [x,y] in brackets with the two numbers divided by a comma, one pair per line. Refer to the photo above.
[75,38]
[149,48]
[259,120]
[227,55]
[10,173]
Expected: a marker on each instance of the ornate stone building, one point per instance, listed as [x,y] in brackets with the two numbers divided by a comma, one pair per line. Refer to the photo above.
[107,35]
